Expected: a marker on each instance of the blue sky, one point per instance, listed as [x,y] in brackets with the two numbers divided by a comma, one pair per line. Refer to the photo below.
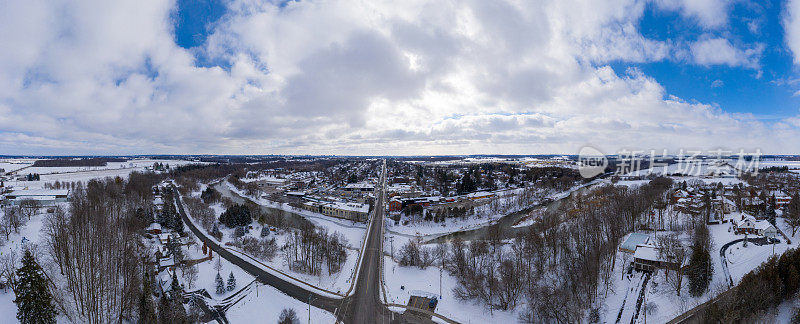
[388,77]
[762,91]
[742,90]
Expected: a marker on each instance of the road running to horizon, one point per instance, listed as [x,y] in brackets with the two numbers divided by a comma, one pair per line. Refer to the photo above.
[364,305]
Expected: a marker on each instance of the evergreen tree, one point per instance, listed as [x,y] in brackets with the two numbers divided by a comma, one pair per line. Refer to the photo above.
[236,215]
[34,301]
[164,313]
[220,284]
[215,232]
[177,223]
[288,316]
[175,286]
[231,282]
[700,271]
[147,312]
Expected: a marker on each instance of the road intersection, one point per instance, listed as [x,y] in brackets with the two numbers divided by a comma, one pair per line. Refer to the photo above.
[364,305]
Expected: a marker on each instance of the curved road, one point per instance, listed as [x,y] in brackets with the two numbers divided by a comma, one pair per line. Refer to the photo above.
[364,305]
[299,293]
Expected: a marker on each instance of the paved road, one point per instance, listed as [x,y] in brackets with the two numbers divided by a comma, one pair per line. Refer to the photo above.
[365,304]
[299,293]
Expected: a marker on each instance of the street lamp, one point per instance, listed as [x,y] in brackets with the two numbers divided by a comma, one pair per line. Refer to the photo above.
[310,297]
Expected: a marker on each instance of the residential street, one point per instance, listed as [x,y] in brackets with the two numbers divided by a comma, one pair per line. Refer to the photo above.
[364,305]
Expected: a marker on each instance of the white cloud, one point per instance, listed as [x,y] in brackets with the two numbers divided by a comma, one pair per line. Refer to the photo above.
[352,77]
[791,27]
[708,13]
[719,51]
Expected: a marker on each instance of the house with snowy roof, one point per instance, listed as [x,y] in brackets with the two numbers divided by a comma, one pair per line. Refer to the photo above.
[648,258]
[745,225]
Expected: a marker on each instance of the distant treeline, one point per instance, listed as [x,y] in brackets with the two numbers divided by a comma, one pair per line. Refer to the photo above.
[76,163]
[776,169]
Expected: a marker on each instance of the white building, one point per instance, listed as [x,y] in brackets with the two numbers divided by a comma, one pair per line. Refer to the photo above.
[359,187]
[765,229]
[45,197]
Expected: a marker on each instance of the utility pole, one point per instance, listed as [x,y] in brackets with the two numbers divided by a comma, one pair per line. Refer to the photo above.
[440,282]
[309,309]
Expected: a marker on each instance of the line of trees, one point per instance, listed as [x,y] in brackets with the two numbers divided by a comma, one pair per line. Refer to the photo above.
[309,249]
[560,266]
[264,248]
[235,216]
[774,281]
[96,251]
[76,162]
[169,217]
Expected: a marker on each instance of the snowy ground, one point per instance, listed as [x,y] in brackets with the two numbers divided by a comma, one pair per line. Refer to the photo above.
[353,231]
[51,175]
[130,164]
[789,164]
[742,260]
[31,234]
[661,293]
[12,165]
[429,228]
[339,282]
[263,304]
[402,282]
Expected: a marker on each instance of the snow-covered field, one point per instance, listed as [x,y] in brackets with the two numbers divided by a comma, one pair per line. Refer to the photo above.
[429,228]
[74,174]
[789,164]
[14,164]
[402,282]
[260,305]
[130,164]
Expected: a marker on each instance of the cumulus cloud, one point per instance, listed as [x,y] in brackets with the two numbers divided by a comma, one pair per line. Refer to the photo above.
[791,27]
[353,77]
[719,51]
[708,13]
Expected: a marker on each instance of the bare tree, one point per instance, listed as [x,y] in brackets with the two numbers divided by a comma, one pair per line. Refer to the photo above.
[672,250]
[189,275]
[792,213]
[6,226]
[97,252]
[218,264]
[29,207]
[12,220]
[8,268]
